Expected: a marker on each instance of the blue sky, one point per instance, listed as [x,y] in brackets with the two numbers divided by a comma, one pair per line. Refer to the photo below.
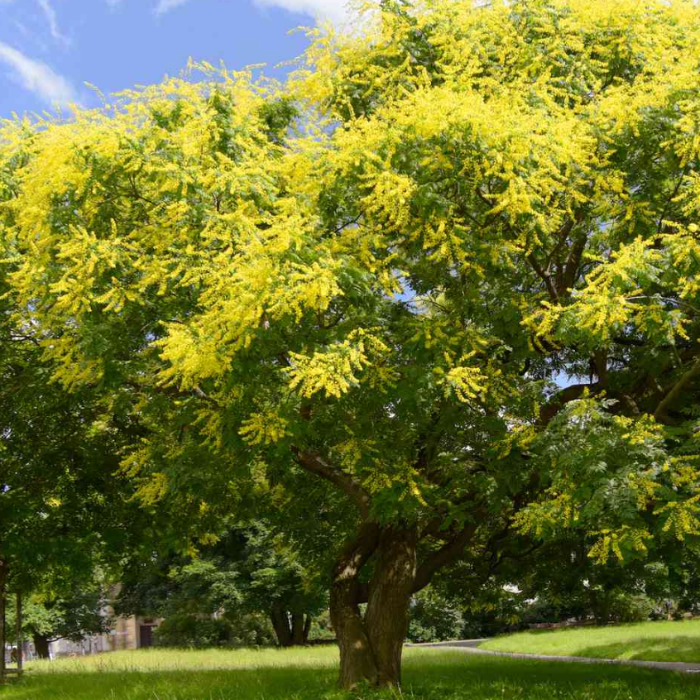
[49,49]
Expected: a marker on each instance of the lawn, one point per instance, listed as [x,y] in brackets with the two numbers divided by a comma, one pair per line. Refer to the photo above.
[309,674]
[648,641]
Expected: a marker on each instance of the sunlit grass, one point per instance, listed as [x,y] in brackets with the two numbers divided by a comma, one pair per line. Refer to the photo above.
[156,660]
[648,641]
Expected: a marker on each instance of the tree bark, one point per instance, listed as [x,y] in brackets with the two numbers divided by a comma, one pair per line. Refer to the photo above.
[41,646]
[389,598]
[307,628]
[297,629]
[357,663]
[371,646]
[280,622]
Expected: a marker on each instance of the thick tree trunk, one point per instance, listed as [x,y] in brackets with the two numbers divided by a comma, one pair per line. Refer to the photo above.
[294,633]
[298,629]
[41,646]
[357,663]
[389,598]
[371,646]
[280,622]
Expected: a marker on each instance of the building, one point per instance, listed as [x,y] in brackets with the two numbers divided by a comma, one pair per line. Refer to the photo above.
[127,633]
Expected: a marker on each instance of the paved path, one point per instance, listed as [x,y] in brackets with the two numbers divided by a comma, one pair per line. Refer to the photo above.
[471,647]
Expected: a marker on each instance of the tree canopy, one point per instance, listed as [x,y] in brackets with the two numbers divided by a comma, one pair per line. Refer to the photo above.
[446,275]
[249,570]
[74,611]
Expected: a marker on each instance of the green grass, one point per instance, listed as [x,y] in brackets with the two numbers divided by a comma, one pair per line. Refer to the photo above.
[309,674]
[647,641]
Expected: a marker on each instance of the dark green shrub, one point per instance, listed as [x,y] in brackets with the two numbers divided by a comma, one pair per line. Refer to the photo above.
[433,620]
[184,630]
[632,608]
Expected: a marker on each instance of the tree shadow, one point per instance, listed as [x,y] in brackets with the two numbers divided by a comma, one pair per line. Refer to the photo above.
[454,677]
[679,648]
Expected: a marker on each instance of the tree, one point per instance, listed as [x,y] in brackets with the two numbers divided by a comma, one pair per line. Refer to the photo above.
[61,501]
[248,570]
[65,509]
[462,293]
[434,619]
[566,583]
[75,613]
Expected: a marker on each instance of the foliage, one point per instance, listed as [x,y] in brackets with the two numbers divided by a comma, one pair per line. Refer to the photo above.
[559,582]
[60,499]
[64,509]
[633,608]
[434,619]
[247,572]
[73,615]
[322,629]
[459,292]
[190,630]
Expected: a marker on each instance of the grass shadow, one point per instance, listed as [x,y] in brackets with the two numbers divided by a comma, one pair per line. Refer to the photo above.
[680,648]
[488,678]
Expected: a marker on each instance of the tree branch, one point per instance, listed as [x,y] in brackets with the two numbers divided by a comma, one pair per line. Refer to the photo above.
[572,264]
[315,464]
[447,554]
[661,411]
[561,398]
[544,277]
[561,235]
[354,556]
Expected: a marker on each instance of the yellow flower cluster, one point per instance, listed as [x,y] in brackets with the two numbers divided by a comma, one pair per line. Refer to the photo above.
[610,542]
[335,370]
[263,428]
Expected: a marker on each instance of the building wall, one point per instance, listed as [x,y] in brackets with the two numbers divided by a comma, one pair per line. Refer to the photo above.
[125,635]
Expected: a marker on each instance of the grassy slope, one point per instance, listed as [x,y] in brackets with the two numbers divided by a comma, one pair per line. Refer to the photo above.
[650,641]
[309,674]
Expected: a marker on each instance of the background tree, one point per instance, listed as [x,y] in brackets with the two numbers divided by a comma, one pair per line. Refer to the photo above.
[63,508]
[74,613]
[462,296]
[567,583]
[434,619]
[248,571]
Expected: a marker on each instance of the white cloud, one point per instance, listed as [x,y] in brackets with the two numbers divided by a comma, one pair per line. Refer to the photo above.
[334,10]
[37,77]
[164,6]
[52,19]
